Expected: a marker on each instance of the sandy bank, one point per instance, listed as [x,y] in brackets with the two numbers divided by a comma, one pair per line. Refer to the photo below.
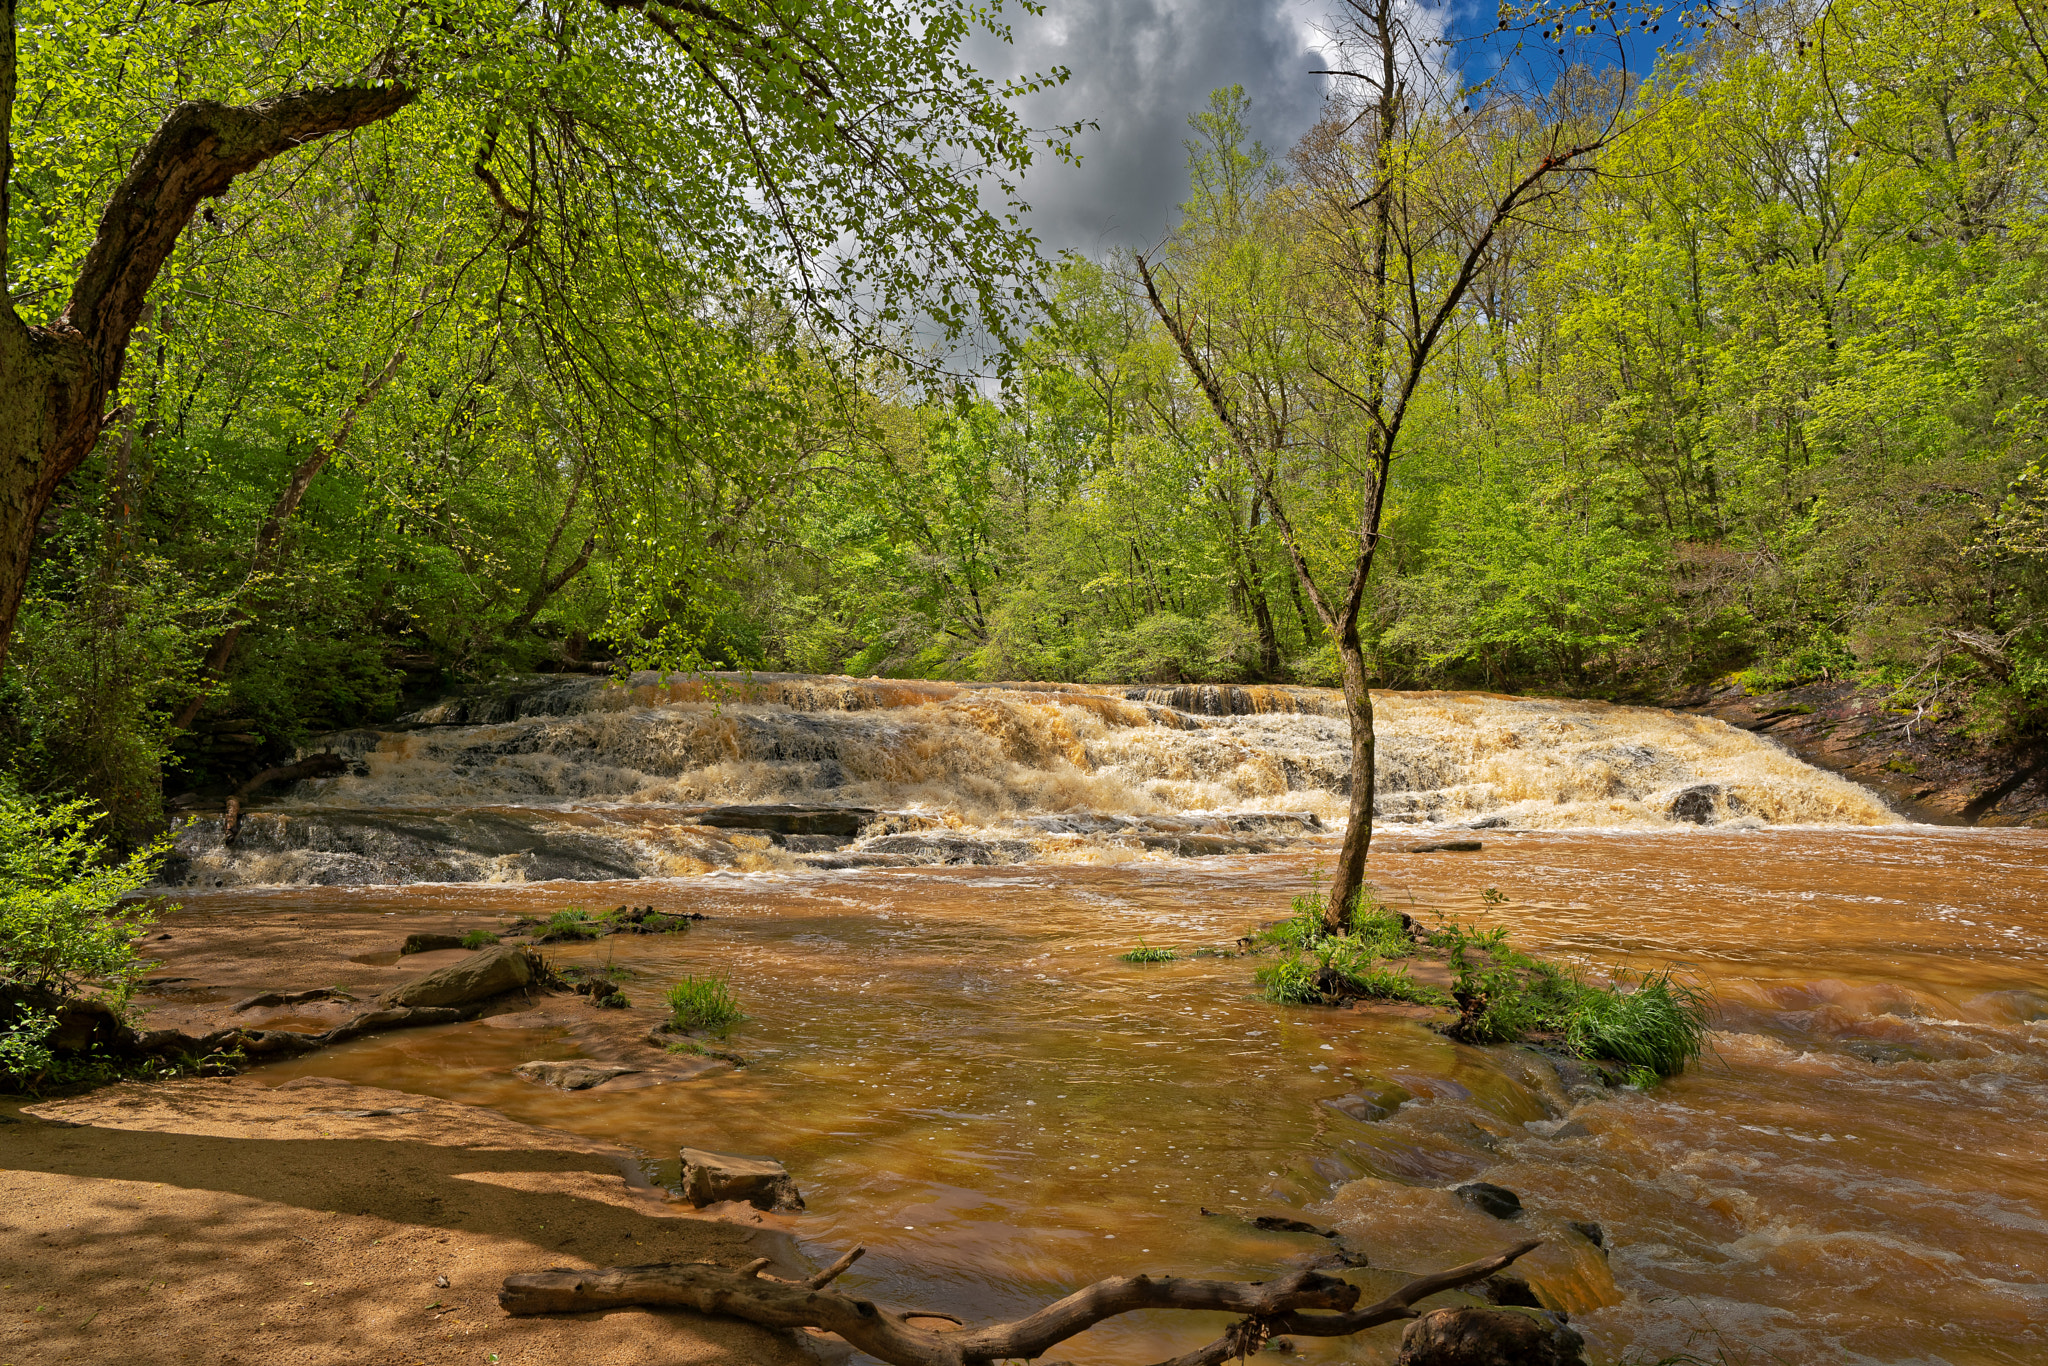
[221,1221]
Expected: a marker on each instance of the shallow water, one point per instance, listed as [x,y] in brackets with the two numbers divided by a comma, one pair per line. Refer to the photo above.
[963,1076]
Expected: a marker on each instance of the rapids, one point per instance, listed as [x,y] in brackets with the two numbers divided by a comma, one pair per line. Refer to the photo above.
[583,779]
[945,1049]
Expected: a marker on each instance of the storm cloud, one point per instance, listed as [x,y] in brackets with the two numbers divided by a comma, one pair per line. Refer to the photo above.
[1140,68]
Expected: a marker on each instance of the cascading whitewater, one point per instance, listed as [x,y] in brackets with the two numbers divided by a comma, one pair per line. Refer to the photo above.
[587,779]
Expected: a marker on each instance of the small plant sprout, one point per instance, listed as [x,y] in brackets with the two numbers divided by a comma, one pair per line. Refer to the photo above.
[1493,896]
[1145,953]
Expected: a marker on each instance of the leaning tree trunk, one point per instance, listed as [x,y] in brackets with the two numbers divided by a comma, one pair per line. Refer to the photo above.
[58,382]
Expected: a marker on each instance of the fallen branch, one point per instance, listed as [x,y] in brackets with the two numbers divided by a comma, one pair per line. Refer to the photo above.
[1269,1307]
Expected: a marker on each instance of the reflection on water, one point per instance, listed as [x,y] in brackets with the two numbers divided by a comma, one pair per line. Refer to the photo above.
[962,1076]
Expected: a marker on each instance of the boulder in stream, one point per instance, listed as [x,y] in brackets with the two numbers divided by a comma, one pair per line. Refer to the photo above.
[710,1177]
[573,1075]
[1490,1337]
[1498,1201]
[484,974]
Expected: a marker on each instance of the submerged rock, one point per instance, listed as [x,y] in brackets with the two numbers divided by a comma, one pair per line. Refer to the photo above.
[1490,1337]
[429,943]
[1498,1201]
[710,1177]
[1505,1287]
[572,1075]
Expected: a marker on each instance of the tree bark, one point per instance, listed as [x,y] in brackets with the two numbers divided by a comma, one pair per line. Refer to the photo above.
[888,1335]
[56,381]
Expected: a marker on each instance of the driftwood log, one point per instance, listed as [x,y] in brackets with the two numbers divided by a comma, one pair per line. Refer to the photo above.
[1270,1308]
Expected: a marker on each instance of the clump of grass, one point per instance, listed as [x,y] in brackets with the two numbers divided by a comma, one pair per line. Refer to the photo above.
[1655,1026]
[1145,953]
[1658,1025]
[477,939]
[1290,981]
[698,1050]
[705,1003]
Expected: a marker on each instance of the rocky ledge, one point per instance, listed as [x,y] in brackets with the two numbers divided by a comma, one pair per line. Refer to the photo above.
[1926,765]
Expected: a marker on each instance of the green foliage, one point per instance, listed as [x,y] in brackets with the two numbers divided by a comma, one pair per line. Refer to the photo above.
[703,1003]
[1656,1025]
[1290,981]
[63,927]
[477,939]
[1144,953]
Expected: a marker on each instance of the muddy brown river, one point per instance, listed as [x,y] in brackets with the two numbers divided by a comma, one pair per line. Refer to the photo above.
[962,1075]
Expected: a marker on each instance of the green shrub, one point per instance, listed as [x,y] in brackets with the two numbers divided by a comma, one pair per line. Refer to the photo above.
[1145,953]
[703,1003]
[477,939]
[63,929]
[62,925]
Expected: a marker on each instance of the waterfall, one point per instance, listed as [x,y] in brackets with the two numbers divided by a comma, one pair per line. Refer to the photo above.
[588,779]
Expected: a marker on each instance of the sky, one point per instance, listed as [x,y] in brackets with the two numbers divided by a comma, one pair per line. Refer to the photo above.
[1140,67]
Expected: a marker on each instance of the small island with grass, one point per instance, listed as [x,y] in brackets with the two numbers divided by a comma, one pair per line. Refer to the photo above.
[1483,990]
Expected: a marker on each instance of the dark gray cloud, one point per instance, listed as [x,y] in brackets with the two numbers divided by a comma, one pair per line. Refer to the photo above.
[1140,67]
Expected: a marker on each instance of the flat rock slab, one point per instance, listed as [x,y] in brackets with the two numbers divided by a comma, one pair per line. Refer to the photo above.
[572,1075]
[709,1178]
[1445,847]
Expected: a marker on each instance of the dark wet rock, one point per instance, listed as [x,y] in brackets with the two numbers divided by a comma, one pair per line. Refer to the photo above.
[603,993]
[1591,1232]
[429,943]
[1505,1287]
[573,1075]
[844,822]
[1489,823]
[812,844]
[1696,803]
[1199,846]
[289,998]
[1490,1337]
[1498,1201]
[1281,1223]
[484,974]
[1445,847]
[710,1177]
[834,862]
[1361,1107]
[950,849]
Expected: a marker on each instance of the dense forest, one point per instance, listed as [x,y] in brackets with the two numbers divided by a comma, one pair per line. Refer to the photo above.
[494,384]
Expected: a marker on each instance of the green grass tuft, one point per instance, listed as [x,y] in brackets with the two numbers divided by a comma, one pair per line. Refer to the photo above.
[1145,953]
[1657,1026]
[703,1003]
[477,939]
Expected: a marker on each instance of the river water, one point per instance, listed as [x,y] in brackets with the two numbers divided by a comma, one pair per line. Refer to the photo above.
[964,1076]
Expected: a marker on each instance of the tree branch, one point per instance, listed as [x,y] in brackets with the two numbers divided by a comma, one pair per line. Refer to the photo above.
[1268,1306]
[196,155]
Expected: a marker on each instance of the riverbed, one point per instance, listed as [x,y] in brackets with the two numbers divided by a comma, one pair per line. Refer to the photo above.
[963,1075]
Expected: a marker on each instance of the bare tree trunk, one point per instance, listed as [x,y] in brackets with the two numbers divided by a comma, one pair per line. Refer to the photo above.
[57,380]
